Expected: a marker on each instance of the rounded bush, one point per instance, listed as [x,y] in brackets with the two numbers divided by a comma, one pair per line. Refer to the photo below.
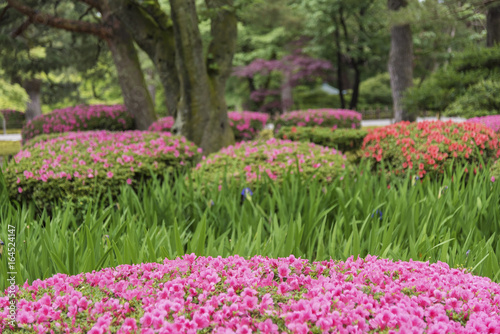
[247,124]
[80,118]
[79,164]
[163,124]
[250,161]
[493,122]
[481,99]
[429,147]
[260,294]
[333,118]
[344,140]
[13,118]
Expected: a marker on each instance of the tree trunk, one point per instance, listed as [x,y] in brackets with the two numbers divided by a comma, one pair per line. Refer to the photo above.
[286,91]
[151,85]
[155,36]
[134,89]
[34,106]
[493,26]
[355,90]
[202,112]
[400,62]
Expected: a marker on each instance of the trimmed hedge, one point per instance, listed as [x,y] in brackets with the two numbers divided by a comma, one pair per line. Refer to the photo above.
[344,140]
[82,164]
[80,118]
[13,118]
[333,118]
[247,124]
[252,160]
[429,147]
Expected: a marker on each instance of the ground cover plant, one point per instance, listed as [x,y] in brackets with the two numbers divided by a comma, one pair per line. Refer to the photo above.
[78,165]
[427,148]
[250,161]
[13,118]
[344,140]
[80,118]
[333,118]
[455,221]
[492,121]
[227,295]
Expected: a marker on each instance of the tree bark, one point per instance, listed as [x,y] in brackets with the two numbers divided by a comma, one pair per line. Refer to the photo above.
[400,62]
[201,111]
[286,91]
[155,36]
[134,89]
[493,26]
[355,90]
[34,89]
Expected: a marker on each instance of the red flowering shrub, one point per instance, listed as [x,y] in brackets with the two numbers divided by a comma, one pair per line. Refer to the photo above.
[332,118]
[259,295]
[246,124]
[80,118]
[430,146]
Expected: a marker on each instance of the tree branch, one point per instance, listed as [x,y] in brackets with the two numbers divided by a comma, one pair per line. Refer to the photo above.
[61,23]
[93,3]
[3,12]
[21,28]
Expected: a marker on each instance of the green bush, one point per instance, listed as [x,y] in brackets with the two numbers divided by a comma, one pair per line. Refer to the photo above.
[481,99]
[80,165]
[250,161]
[344,140]
[375,92]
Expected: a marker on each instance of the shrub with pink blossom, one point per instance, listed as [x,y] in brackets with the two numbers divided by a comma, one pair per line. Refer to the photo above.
[163,124]
[247,124]
[78,164]
[260,294]
[492,121]
[80,118]
[252,160]
[13,118]
[332,118]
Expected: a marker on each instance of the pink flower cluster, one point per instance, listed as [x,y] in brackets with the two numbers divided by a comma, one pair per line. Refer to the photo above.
[253,159]
[13,117]
[163,124]
[237,295]
[246,124]
[80,118]
[492,121]
[333,118]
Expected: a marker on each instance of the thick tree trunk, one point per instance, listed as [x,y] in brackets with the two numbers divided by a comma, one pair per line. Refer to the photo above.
[134,89]
[355,90]
[286,92]
[155,36]
[34,89]
[493,26]
[400,62]
[202,112]
[151,85]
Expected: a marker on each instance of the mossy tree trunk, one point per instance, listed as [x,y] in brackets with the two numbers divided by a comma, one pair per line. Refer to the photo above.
[493,25]
[34,106]
[201,110]
[400,62]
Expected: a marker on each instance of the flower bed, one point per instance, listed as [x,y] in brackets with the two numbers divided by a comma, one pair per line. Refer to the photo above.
[492,121]
[247,124]
[332,118]
[79,164]
[228,295]
[80,118]
[344,140]
[252,160]
[430,146]
[163,124]
[13,118]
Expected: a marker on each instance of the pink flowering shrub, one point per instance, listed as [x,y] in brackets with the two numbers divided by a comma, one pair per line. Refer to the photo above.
[235,295]
[163,124]
[250,161]
[429,147]
[79,164]
[492,121]
[247,124]
[80,118]
[331,118]
[13,118]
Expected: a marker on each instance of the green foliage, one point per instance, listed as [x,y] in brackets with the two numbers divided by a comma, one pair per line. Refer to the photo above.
[305,97]
[481,99]
[465,72]
[12,96]
[435,221]
[375,92]
[344,140]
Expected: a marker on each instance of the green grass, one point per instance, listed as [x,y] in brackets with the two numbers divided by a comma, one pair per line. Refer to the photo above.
[9,147]
[424,221]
